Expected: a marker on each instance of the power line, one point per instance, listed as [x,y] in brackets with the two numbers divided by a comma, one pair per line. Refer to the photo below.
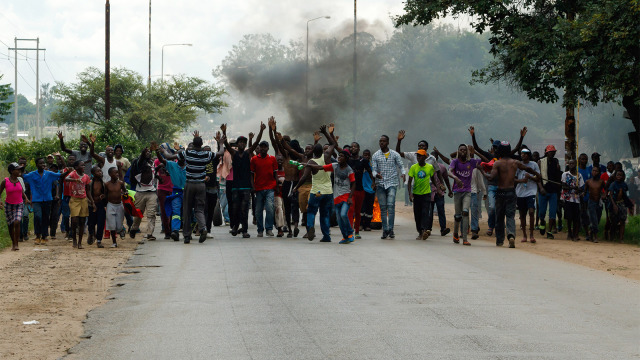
[50,72]
[28,63]
[25,80]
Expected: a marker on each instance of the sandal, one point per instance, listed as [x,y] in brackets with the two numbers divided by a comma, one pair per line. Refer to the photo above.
[533,241]
[456,239]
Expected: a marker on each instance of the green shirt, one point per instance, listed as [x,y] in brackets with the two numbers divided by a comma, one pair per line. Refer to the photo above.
[421,176]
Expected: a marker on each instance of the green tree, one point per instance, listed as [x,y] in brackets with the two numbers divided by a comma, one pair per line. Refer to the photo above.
[5,105]
[588,49]
[155,113]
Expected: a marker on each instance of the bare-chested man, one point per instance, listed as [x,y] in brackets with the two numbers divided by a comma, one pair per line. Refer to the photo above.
[505,171]
[115,210]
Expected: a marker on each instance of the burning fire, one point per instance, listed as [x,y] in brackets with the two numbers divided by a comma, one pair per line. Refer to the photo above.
[376,212]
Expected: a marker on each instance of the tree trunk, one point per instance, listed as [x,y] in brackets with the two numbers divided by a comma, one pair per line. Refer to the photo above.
[570,144]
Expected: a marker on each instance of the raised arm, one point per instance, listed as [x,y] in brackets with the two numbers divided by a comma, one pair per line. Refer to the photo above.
[92,151]
[62,146]
[292,153]
[480,155]
[445,159]
[523,133]
[478,149]
[332,144]
[253,146]
[401,135]
[227,146]
[272,129]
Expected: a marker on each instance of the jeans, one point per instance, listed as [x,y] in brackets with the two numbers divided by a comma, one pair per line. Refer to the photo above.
[24,227]
[54,217]
[265,201]
[162,196]
[97,219]
[595,214]
[438,202]
[291,209]
[584,215]
[195,194]
[210,207]
[505,207]
[491,205]
[552,200]
[240,201]
[324,203]
[176,211]
[422,212]
[387,201]
[342,213]
[475,210]
[462,202]
[224,204]
[66,212]
[41,210]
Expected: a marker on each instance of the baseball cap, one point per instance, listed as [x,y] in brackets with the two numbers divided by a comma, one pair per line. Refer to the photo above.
[14,166]
[346,152]
[525,150]
[550,148]
[595,154]
[421,152]
[496,143]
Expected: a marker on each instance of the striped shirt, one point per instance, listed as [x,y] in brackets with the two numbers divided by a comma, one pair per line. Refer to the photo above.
[197,161]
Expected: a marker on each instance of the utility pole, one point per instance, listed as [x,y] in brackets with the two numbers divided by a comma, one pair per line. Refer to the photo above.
[107,70]
[355,68]
[15,96]
[149,79]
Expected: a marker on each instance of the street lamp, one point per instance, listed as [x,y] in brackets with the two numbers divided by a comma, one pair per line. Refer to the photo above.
[307,69]
[162,73]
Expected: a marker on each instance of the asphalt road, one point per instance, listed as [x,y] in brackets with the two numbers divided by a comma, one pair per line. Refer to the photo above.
[278,298]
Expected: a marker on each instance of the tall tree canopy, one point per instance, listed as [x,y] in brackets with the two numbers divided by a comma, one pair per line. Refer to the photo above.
[154,113]
[5,105]
[588,49]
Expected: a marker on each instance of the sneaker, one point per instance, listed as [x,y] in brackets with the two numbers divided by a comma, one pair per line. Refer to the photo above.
[426,234]
[37,242]
[114,245]
[357,236]
[99,245]
[270,233]
[246,235]
[260,234]
[350,238]
[289,235]
[90,239]
[550,235]
[499,243]
[123,233]
[542,227]
[234,231]
[391,234]
[203,236]
[445,232]
[43,241]
[280,233]
[512,242]
[187,239]
[474,236]
[324,239]
[456,239]
[311,233]
[132,234]
[167,236]
[296,231]
[151,237]
[465,242]
[344,241]
[175,236]
[385,234]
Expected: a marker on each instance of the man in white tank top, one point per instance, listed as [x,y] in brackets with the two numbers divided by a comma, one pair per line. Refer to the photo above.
[107,162]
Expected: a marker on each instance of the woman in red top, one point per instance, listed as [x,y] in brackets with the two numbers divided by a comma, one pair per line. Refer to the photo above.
[14,202]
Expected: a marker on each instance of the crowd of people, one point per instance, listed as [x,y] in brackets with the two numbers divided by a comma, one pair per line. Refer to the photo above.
[107,195]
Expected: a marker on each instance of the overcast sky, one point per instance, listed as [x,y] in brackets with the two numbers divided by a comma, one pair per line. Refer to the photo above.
[72,31]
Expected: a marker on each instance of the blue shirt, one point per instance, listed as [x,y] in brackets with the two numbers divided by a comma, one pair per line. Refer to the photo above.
[41,185]
[178,174]
[586,175]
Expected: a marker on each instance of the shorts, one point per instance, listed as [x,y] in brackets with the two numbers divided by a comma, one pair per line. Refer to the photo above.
[303,197]
[13,212]
[525,203]
[79,207]
[115,215]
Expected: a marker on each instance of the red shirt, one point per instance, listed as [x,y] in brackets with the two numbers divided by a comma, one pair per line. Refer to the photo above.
[78,189]
[263,169]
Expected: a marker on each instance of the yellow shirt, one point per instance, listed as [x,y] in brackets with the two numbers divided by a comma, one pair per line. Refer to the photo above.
[321,180]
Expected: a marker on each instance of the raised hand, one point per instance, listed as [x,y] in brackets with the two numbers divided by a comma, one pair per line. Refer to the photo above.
[251,135]
[435,150]
[278,136]
[262,126]
[272,123]
[60,136]
[337,137]
[316,136]
[84,139]
[523,132]
[93,138]
[331,128]
[472,131]
[196,134]
[401,134]
[223,127]
[323,129]
[218,136]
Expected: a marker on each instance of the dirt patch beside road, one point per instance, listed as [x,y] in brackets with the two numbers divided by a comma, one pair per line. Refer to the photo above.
[57,287]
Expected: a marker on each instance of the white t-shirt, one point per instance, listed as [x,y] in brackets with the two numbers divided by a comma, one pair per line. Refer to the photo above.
[530,188]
